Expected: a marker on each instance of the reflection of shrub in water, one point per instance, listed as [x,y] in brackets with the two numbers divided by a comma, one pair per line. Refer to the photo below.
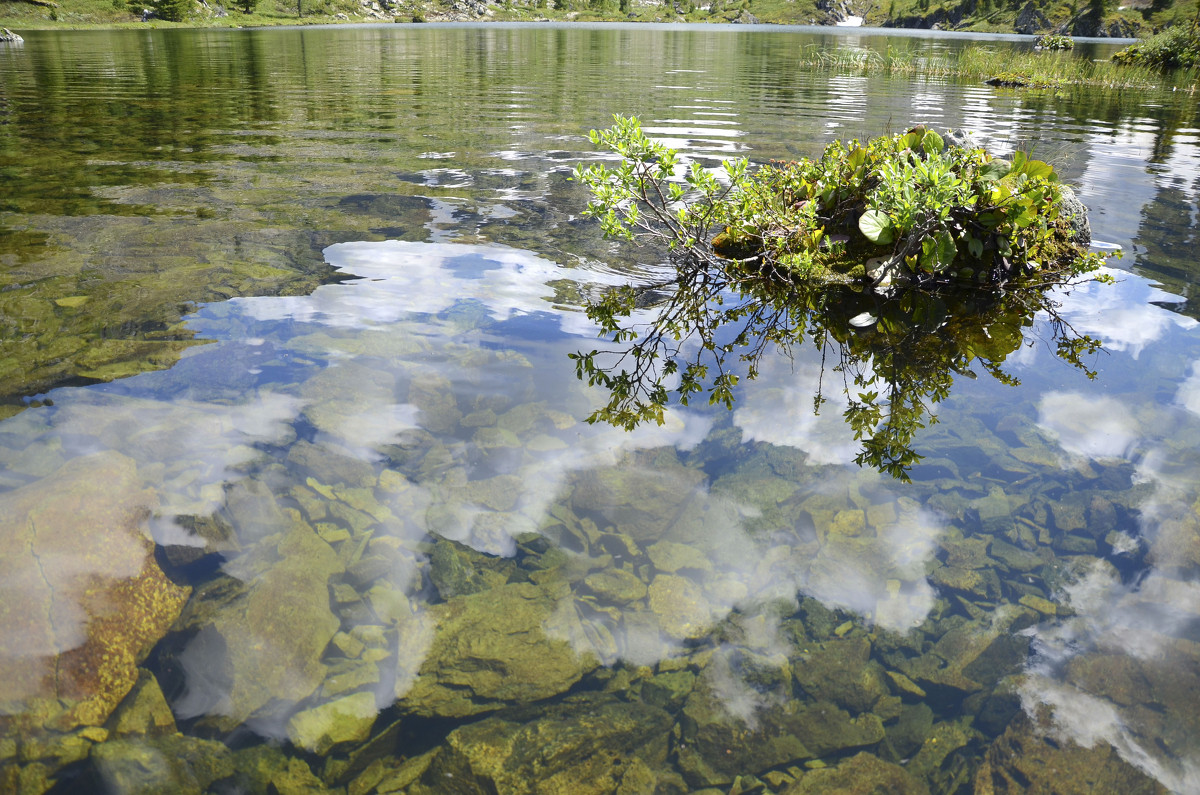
[896,356]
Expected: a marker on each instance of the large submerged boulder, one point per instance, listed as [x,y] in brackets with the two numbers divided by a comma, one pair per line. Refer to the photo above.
[82,600]
[259,636]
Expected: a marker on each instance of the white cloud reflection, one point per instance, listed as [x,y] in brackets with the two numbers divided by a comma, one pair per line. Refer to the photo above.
[1091,427]
[1123,667]
[779,410]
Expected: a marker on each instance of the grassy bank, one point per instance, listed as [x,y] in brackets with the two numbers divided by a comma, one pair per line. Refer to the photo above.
[1055,70]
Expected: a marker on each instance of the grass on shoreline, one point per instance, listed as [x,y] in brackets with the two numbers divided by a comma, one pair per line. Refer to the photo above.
[1044,69]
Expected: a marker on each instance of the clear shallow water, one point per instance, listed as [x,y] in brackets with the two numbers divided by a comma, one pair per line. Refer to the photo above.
[396,558]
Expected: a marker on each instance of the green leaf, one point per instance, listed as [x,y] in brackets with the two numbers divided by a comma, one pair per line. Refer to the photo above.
[877,227]
[946,250]
[994,170]
[932,143]
[1037,168]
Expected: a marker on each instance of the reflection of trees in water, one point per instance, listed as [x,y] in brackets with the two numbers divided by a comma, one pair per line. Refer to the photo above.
[896,356]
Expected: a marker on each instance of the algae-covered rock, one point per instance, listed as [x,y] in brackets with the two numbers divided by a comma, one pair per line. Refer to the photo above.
[978,583]
[330,466]
[862,774]
[973,654]
[265,768]
[719,745]
[615,586]
[82,599]
[152,765]
[668,689]
[1015,558]
[680,606]
[457,570]
[255,513]
[346,720]
[572,749]
[143,711]
[670,557]
[493,648]
[433,394]
[840,671]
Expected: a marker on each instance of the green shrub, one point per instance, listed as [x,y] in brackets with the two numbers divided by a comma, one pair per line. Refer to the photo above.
[1053,41]
[899,208]
[1175,48]
[172,10]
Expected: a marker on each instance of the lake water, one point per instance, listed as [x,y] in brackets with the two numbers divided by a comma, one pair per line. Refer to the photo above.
[297,495]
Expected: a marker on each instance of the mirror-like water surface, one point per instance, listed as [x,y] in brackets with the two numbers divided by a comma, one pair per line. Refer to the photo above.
[296,492]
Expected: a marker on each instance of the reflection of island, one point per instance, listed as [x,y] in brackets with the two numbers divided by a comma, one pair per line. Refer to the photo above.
[893,357]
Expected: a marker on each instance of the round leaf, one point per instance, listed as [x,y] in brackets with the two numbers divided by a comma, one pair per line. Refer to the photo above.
[876,226]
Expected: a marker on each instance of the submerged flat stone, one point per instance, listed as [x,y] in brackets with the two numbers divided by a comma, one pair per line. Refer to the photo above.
[271,636]
[862,774]
[680,606]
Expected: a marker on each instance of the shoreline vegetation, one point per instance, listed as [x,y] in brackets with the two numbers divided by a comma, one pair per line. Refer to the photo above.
[1038,69]
[1163,61]
[1097,18]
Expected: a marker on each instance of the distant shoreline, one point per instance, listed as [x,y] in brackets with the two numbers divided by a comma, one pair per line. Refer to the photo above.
[324,22]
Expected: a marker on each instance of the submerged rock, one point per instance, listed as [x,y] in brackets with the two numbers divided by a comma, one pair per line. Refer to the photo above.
[642,503]
[840,671]
[264,644]
[144,710]
[680,607]
[82,599]
[615,586]
[174,763]
[572,749]
[1024,760]
[457,570]
[322,728]
[495,648]
[862,774]
[718,745]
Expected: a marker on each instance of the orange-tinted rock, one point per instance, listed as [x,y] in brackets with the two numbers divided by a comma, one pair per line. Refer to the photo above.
[82,600]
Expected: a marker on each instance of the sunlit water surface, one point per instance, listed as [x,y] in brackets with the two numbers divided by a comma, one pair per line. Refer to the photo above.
[297,307]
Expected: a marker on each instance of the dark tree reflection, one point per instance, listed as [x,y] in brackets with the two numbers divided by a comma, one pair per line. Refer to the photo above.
[896,356]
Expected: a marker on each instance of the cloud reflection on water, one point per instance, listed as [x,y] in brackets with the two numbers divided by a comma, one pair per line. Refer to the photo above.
[1124,668]
[369,369]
